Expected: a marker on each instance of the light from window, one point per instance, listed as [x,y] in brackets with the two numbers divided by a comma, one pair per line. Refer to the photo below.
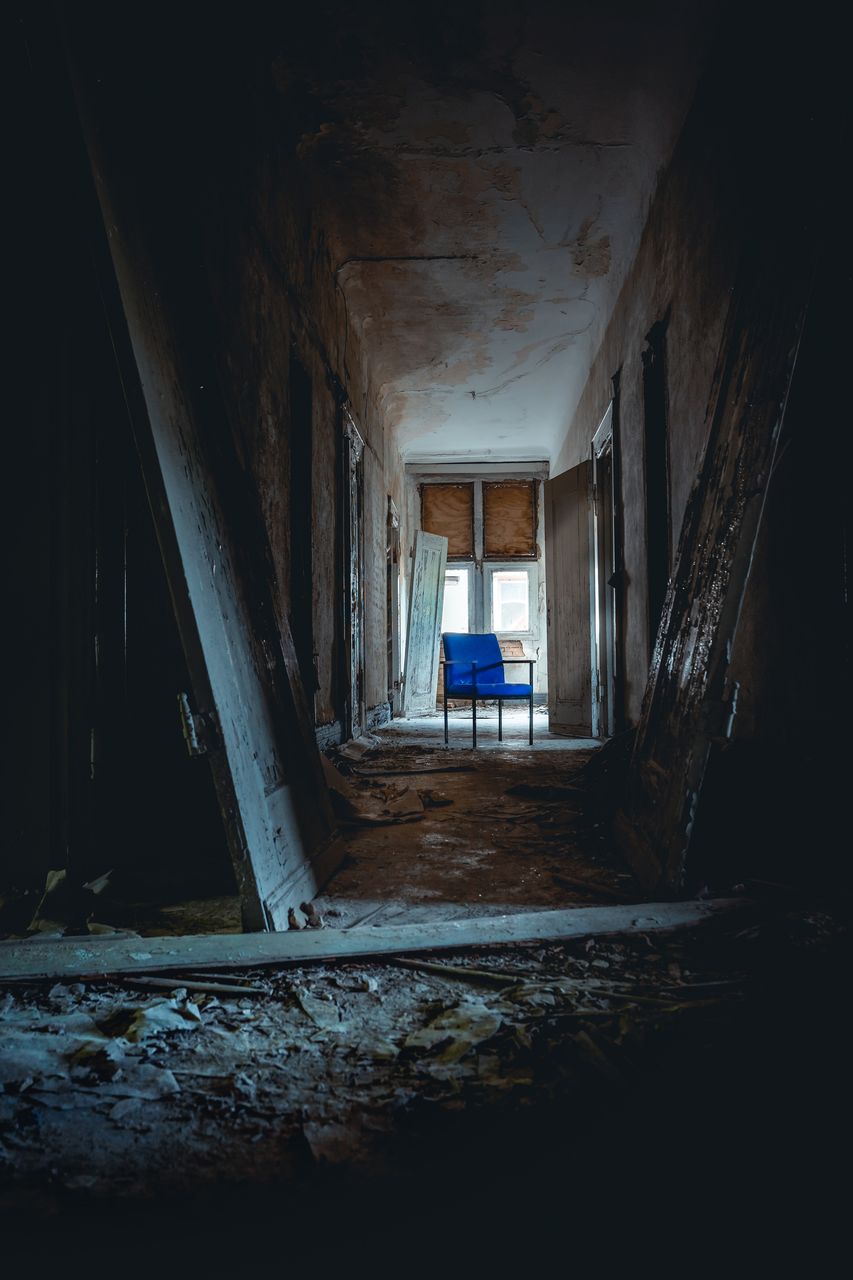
[454,615]
[510,600]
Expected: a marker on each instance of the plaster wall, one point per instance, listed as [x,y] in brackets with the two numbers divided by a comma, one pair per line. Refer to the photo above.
[683,271]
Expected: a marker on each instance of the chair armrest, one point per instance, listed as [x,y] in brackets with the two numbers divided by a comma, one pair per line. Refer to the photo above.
[471,662]
[529,663]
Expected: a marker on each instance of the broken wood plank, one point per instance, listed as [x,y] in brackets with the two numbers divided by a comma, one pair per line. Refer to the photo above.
[73,958]
[491,977]
[413,770]
[588,886]
[191,984]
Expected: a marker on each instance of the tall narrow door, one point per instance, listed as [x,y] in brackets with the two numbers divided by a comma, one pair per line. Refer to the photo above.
[420,678]
[569,588]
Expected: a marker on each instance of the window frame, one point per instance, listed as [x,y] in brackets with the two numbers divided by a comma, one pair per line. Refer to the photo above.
[490,568]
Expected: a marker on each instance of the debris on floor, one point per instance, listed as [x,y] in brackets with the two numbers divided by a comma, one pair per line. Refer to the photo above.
[349,1061]
[378,806]
[505,831]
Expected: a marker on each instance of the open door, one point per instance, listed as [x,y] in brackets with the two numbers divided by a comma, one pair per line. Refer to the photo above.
[426,600]
[568,587]
[605,557]
[249,711]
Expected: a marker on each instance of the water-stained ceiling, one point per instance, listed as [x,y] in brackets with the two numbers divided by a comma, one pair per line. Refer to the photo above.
[481,175]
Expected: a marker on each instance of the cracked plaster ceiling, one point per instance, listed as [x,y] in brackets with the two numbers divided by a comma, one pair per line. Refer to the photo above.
[482,186]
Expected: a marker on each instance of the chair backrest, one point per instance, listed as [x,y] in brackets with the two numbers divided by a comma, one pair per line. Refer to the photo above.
[462,648]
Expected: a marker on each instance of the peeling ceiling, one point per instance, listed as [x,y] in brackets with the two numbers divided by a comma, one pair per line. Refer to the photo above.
[481,187]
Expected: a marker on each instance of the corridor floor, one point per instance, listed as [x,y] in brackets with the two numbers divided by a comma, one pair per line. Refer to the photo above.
[455,1105]
[497,830]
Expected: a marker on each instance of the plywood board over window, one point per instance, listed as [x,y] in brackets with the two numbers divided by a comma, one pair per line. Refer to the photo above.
[448,510]
[509,519]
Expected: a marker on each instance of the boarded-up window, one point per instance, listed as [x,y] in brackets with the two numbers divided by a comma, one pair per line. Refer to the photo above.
[448,509]
[509,519]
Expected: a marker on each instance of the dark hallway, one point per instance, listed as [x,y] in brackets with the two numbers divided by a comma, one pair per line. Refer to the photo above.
[343,334]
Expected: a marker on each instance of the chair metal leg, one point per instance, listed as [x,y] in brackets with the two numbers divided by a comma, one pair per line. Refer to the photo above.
[500,720]
[445,711]
[530,736]
[474,720]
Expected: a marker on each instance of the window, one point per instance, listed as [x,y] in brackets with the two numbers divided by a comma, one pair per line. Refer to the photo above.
[448,509]
[509,520]
[494,575]
[495,519]
[510,600]
[454,615]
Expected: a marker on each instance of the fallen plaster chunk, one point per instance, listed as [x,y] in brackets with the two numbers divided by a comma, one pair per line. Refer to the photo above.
[454,1031]
[391,803]
[45,1052]
[359,747]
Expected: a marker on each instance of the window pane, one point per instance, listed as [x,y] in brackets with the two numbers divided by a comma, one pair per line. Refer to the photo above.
[510,600]
[454,616]
[509,519]
[448,509]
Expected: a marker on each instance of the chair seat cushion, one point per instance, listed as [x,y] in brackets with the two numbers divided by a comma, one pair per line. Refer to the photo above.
[460,650]
[501,689]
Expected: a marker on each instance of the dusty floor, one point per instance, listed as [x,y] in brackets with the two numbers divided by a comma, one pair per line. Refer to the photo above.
[428,731]
[535,1085]
[500,829]
[592,1095]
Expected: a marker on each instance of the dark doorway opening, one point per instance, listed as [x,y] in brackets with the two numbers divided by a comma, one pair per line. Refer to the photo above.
[118,791]
[301,535]
[152,812]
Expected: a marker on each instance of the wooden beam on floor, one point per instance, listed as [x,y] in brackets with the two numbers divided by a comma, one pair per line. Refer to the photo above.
[70,959]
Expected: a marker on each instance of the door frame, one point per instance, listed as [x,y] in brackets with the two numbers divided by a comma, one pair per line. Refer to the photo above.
[535,641]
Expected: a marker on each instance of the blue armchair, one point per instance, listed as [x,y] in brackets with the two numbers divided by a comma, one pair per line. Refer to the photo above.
[474,668]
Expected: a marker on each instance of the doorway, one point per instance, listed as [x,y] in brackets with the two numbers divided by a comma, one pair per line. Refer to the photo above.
[301,523]
[494,578]
[124,803]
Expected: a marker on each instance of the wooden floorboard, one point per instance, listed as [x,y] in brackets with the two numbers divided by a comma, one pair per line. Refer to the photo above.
[75,958]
